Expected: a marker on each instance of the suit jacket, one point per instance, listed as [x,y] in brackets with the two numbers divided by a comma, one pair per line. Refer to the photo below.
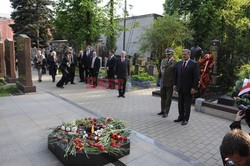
[87,59]
[168,72]
[189,79]
[111,65]
[96,65]
[122,69]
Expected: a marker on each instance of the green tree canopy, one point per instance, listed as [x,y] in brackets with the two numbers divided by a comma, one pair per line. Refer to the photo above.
[32,17]
[165,32]
[79,21]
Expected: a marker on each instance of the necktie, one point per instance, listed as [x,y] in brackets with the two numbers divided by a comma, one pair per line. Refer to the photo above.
[183,66]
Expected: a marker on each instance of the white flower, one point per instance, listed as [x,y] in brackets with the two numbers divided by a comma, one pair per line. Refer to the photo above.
[63,128]
[74,129]
[70,133]
[86,135]
[67,129]
[99,134]
[95,132]
[84,132]
[96,137]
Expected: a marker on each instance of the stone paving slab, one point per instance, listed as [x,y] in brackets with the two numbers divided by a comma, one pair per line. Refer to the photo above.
[200,139]
[25,123]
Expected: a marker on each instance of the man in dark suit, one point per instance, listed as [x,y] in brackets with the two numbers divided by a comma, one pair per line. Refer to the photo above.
[81,66]
[94,68]
[111,69]
[168,67]
[186,84]
[72,64]
[87,56]
[122,71]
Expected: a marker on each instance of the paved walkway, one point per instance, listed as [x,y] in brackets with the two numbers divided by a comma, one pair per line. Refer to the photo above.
[200,139]
[25,123]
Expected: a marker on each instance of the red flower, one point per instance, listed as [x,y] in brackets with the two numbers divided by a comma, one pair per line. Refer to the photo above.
[101,148]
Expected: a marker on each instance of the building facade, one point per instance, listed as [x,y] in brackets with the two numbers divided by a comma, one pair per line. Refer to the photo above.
[136,26]
[5,29]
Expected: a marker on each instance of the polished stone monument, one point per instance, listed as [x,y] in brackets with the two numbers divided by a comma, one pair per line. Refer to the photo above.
[2,62]
[24,82]
[10,61]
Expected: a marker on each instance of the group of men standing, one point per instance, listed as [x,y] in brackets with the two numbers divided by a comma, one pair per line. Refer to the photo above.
[89,65]
[183,77]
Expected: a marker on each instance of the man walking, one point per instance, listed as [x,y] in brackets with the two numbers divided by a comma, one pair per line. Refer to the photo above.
[111,70]
[122,70]
[186,84]
[168,66]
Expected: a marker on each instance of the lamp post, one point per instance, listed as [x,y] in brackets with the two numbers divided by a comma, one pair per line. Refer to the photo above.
[124,25]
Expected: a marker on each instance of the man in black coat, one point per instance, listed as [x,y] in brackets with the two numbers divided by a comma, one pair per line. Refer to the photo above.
[94,68]
[122,71]
[111,69]
[186,84]
[87,56]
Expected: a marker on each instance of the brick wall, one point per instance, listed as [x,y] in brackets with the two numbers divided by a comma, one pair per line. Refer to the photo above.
[5,30]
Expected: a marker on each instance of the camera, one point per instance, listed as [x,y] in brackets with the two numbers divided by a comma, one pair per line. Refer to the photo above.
[229,162]
[245,110]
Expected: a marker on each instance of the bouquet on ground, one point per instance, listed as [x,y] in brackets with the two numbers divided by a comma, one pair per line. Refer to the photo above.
[91,135]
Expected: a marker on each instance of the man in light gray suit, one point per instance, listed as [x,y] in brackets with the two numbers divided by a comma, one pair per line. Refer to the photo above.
[122,71]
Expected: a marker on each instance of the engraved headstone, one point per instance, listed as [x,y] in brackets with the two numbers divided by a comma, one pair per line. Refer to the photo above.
[24,82]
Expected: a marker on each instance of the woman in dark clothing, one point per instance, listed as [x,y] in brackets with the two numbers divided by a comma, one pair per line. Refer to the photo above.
[52,62]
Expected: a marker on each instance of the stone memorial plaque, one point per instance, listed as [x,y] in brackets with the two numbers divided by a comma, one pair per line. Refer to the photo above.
[24,82]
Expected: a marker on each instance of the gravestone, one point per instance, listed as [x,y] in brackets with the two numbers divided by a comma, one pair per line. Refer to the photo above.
[24,82]
[226,100]
[136,68]
[10,61]
[151,70]
[2,63]
[215,85]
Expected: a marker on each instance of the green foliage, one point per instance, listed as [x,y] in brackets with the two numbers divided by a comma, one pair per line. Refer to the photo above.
[203,16]
[165,32]
[242,73]
[6,90]
[102,73]
[226,20]
[236,42]
[144,76]
[79,21]
[32,17]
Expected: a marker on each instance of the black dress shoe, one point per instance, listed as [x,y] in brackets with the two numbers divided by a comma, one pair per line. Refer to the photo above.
[184,122]
[119,96]
[73,83]
[123,96]
[165,115]
[160,113]
[178,120]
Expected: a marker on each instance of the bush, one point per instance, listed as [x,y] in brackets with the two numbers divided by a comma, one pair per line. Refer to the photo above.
[243,72]
[144,76]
